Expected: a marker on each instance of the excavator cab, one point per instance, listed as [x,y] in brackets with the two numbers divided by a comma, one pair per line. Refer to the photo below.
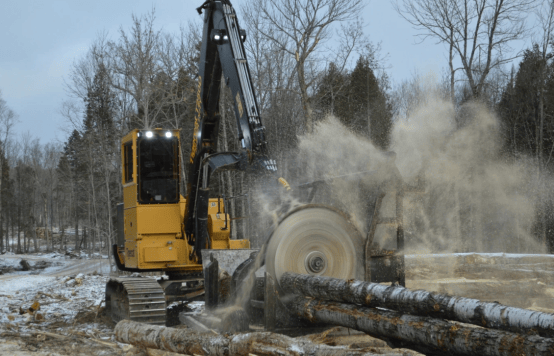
[151,235]
[150,218]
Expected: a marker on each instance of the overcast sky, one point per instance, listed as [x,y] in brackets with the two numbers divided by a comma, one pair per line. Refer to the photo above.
[39,40]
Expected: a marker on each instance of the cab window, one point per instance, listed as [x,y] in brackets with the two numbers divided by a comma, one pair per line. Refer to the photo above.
[128,164]
[158,170]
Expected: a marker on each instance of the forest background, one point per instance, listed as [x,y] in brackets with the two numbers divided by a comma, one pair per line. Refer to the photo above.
[309,59]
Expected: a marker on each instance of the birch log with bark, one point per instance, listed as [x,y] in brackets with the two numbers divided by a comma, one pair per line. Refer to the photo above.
[423,334]
[421,302]
[186,341]
[191,342]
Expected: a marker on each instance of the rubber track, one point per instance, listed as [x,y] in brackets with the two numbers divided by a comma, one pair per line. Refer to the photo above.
[137,299]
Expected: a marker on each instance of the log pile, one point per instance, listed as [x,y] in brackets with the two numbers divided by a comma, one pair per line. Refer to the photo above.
[421,302]
[353,304]
[191,342]
[430,323]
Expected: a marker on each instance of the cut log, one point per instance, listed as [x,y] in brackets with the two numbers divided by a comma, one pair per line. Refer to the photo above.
[423,334]
[185,341]
[421,302]
[259,343]
[267,343]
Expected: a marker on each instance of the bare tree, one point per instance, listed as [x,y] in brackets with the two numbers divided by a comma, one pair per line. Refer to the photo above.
[477,32]
[300,28]
[545,16]
[51,156]
[8,119]
[135,65]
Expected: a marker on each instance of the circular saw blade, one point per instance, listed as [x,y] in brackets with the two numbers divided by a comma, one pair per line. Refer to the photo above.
[316,241]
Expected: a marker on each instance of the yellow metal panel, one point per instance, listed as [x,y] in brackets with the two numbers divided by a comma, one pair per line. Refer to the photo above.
[214,206]
[155,253]
[158,219]
[130,223]
[220,245]
[184,268]
[130,195]
[239,244]
[216,227]
[160,254]
[131,254]
[130,230]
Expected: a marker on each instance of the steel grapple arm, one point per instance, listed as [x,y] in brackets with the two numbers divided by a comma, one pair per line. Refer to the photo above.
[222,52]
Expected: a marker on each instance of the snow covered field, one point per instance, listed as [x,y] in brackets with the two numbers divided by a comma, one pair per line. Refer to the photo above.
[70,293]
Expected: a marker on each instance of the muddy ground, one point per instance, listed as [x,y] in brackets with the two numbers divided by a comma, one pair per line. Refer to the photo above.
[69,291]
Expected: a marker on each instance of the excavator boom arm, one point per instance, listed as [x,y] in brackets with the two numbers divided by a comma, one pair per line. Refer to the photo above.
[222,52]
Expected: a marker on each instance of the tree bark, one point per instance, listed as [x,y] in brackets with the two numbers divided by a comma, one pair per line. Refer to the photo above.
[427,335]
[189,341]
[177,340]
[421,302]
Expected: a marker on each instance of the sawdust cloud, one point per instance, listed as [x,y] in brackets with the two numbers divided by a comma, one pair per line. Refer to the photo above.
[349,164]
[475,199]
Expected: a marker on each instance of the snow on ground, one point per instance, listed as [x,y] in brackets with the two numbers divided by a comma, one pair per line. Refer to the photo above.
[70,291]
[60,289]
[70,295]
[484,255]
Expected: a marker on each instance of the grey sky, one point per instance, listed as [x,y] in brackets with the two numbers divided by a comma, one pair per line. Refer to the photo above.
[39,40]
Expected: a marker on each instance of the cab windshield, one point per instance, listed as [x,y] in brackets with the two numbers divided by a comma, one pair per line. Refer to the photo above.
[158,170]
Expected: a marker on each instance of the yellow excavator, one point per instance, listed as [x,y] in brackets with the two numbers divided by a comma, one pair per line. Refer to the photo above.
[161,231]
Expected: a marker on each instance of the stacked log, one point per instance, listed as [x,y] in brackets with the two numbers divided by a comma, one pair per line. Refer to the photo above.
[188,341]
[421,302]
[353,304]
[423,334]
[431,323]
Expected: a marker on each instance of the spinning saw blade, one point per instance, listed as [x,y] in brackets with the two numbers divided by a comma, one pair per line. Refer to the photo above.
[315,241]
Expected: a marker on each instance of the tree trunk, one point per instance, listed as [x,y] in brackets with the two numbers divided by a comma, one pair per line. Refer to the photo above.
[1,230]
[305,97]
[420,302]
[62,236]
[35,242]
[84,240]
[19,230]
[13,231]
[427,335]
[109,209]
[46,235]
[542,232]
[51,219]
[189,341]
[451,65]
[76,235]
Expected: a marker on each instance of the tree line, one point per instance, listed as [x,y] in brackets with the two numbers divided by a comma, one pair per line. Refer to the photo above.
[308,59]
